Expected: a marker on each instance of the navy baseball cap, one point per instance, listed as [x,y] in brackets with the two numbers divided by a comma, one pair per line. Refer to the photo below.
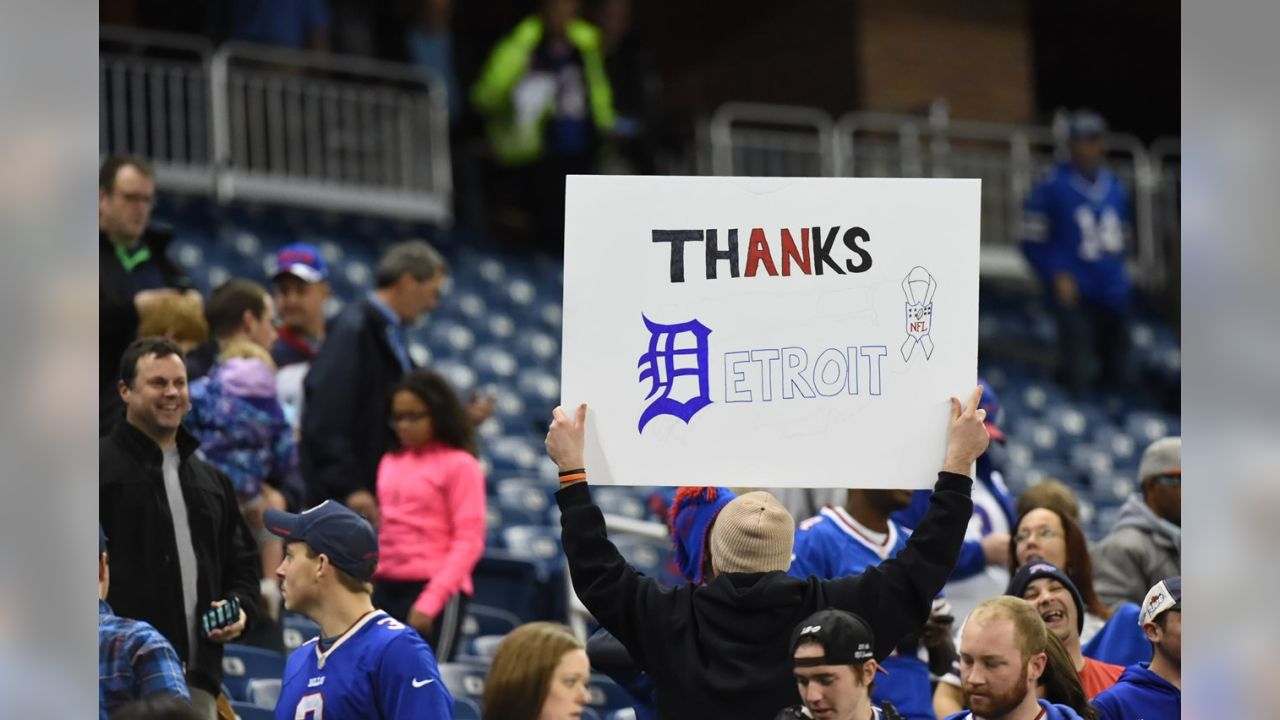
[332,529]
[302,260]
[1086,124]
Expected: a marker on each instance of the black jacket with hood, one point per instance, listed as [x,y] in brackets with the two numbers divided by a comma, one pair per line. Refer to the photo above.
[720,650]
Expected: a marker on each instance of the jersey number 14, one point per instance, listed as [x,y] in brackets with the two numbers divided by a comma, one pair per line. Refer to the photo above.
[1099,236]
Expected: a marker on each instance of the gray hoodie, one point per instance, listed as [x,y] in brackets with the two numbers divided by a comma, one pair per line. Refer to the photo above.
[1140,551]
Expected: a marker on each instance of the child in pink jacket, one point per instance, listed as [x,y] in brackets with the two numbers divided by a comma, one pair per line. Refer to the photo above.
[432,501]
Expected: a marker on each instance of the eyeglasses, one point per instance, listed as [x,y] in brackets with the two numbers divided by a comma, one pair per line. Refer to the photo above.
[140,198]
[1170,480]
[1043,533]
[407,417]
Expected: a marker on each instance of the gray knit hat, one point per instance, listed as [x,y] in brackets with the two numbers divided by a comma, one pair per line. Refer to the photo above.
[753,533]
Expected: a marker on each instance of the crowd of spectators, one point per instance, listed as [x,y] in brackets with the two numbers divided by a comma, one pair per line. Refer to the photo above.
[261,457]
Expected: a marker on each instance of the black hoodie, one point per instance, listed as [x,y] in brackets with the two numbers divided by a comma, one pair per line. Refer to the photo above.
[720,650]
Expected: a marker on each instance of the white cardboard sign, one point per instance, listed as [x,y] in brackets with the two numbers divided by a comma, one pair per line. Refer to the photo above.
[769,332]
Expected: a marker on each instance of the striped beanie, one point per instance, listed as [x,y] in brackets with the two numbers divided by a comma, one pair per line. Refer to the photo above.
[692,513]
[753,533]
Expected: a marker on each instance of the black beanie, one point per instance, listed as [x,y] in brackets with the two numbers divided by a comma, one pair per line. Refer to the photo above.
[1037,569]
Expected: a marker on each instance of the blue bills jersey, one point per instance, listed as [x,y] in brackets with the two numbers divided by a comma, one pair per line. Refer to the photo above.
[830,545]
[377,669]
[1081,228]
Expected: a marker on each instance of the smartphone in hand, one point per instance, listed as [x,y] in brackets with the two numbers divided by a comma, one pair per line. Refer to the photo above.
[222,616]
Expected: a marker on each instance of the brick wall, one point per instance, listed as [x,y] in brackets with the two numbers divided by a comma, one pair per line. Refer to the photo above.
[977,55]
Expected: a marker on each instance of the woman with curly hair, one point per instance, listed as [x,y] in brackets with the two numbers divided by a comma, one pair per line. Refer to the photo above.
[431,496]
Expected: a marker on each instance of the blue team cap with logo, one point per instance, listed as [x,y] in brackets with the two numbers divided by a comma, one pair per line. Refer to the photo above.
[302,260]
[332,529]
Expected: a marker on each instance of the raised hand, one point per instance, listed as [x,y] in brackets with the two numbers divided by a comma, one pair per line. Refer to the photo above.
[967,439]
[566,438]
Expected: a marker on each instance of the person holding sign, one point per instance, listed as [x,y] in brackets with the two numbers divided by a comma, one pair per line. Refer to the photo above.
[720,649]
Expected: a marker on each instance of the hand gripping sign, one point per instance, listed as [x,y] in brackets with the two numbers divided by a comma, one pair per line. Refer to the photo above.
[919,287]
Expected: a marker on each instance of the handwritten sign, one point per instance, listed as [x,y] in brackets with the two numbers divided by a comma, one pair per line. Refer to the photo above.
[796,332]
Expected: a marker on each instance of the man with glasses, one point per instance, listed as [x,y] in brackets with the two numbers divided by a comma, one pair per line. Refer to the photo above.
[134,274]
[1145,546]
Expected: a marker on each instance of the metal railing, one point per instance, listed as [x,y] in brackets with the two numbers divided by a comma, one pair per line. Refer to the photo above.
[153,101]
[278,125]
[760,139]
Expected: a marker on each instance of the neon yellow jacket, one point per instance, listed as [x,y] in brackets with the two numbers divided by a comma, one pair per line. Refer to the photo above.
[511,143]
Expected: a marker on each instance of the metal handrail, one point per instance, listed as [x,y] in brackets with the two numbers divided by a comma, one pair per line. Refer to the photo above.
[721,129]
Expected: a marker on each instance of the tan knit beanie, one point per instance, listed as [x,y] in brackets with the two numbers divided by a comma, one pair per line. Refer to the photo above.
[753,533]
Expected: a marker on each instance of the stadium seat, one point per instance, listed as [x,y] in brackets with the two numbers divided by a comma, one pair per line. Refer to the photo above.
[486,646]
[526,588]
[619,501]
[242,663]
[249,711]
[264,692]
[607,695]
[534,542]
[523,494]
[464,680]
[647,556]
[483,620]
[297,630]
[465,708]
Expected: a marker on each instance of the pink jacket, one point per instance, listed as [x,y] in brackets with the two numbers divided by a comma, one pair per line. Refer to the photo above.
[433,521]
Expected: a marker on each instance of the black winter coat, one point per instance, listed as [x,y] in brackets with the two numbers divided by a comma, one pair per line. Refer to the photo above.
[117,317]
[348,399]
[146,581]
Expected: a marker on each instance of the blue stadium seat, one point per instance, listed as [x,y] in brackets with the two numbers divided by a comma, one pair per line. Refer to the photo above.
[529,589]
[519,493]
[242,663]
[1147,427]
[1124,451]
[445,336]
[1089,460]
[607,695]
[297,630]
[533,542]
[1042,437]
[485,620]
[619,501]
[486,646]
[493,363]
[464,679]
[459,375]
[647,556]
[264,692]
[512,453]
[464,708]
[249,711]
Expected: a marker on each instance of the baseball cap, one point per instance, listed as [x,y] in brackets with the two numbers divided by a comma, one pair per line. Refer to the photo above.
[1162,457]
[301,260]
[846,639]
[1165,595]
[1037,569]
[333,529]
[102,540]
[991,403]
[1085,124]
